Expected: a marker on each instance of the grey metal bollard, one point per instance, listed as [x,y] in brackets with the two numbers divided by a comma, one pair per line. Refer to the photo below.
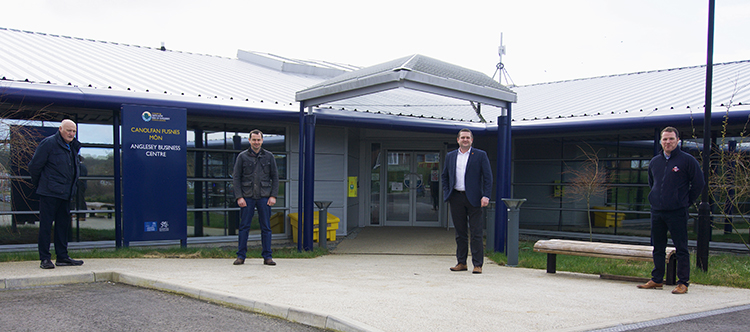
[323,222]
[514,205]
[490,222]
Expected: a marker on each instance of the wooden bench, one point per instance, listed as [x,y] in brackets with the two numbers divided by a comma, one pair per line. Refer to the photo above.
[99,206]
[604,250]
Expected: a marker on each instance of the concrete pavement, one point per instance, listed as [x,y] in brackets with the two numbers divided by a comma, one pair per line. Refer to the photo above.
[407,291]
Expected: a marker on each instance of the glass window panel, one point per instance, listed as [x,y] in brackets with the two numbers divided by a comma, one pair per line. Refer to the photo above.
[94,133]
[191,164]
[98,161]
[217,140]
[281,165]
[542,163]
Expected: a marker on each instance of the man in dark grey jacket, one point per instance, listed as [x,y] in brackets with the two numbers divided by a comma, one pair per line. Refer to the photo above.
[54,173]
[255,182]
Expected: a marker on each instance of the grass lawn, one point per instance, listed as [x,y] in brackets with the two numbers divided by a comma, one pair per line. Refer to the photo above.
[723,269]
[175,252]
[30,234]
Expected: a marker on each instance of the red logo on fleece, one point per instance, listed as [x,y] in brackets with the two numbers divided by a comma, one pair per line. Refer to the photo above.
[675,169]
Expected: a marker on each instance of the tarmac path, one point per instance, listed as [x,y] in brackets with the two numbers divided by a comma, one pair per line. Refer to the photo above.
[107,306]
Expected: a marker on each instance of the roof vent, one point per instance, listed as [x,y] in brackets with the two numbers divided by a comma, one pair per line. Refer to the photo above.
[305,67]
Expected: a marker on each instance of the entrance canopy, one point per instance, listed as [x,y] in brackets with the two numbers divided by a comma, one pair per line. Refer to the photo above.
[415,72]
[418,73]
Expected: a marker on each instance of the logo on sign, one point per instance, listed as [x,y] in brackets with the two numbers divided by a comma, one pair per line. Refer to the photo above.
[164,226]
[149,226]
[146,116]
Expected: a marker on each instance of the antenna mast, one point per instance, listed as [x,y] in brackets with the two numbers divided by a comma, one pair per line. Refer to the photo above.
[500,67]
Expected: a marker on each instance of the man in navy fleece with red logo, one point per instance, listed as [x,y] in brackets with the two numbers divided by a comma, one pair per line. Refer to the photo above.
[676,181]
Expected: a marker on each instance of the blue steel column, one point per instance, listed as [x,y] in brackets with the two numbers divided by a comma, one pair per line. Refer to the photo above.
[309,180]
[234,215]
[301,177]
[508,178]
[118,184]
[501,211]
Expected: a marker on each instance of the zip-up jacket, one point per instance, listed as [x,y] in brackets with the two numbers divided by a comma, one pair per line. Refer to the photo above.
[675,182]
[54,167]
[255,176]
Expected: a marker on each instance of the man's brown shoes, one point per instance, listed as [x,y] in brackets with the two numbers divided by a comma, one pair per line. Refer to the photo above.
[463,267]
[651,285]
[680,289]
[240,261]
[459,267]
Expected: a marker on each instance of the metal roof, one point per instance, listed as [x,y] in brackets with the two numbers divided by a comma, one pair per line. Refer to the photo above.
[634,97]
[61,60]
[91,74]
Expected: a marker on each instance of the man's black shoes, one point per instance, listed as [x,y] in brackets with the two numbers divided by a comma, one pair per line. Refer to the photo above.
[47,264]
[68,262]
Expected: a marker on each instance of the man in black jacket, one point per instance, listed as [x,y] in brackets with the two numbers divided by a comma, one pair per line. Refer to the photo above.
[676,181]
[54,173]
[255,181]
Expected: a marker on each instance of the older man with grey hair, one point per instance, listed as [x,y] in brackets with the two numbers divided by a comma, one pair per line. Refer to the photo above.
[54,173]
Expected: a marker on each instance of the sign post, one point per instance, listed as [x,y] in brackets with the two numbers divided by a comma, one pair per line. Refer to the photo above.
[154,173]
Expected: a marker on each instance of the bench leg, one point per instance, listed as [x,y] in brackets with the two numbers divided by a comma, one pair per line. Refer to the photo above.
[672,270]
[551,263]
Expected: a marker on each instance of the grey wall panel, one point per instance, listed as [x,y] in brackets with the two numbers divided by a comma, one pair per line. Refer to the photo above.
[329,167]
[330,140]
[353,203]
[334,191]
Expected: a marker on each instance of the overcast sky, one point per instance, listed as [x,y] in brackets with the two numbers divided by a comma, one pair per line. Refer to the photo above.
[546,40]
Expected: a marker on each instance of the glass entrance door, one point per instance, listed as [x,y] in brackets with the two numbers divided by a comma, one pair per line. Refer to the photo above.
[412,190]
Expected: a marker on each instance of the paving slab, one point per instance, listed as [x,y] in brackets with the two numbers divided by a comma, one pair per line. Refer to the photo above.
[401,292]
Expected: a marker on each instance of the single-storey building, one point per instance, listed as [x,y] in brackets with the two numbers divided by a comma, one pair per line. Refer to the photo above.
[383,129]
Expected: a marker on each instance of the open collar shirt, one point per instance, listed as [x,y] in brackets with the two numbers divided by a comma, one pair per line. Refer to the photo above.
[462,158]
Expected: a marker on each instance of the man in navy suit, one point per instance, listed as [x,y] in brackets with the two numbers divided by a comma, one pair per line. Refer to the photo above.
[467,186]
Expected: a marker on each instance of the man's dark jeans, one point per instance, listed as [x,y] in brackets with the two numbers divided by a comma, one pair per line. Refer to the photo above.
[264,217]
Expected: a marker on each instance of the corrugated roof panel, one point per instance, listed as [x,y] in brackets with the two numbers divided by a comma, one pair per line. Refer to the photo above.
[102,65]
[120,67]
[646,93]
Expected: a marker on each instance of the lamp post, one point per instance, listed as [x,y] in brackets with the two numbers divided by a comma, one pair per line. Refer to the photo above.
[704,209]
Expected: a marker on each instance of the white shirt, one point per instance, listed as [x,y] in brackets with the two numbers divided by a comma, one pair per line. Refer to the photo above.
[461,160]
